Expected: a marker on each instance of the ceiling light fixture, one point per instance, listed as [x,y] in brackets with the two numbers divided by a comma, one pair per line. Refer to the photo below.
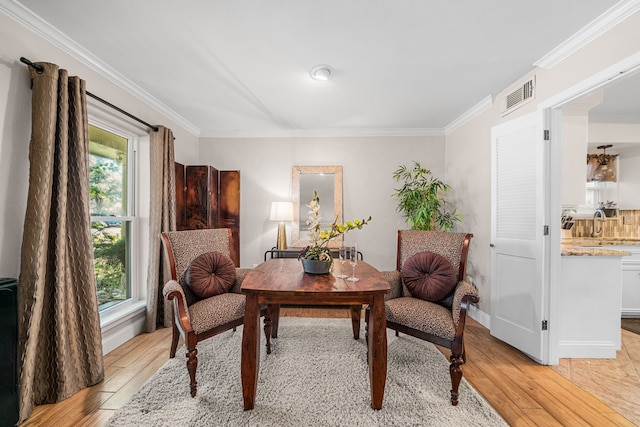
[602,167]
[321,72]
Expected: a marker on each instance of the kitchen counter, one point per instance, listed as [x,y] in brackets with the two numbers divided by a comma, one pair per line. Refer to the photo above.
[602,241]
[596,246]
[591,295]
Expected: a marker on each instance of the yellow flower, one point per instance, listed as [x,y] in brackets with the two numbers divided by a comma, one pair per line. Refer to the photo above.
[320,238]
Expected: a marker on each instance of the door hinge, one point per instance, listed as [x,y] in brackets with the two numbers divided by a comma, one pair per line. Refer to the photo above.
[546,135]
[545,325]
[545,230]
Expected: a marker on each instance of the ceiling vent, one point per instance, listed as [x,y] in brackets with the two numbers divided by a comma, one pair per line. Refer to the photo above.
[518,97]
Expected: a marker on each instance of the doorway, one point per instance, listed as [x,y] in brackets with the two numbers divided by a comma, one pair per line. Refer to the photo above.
[620,104]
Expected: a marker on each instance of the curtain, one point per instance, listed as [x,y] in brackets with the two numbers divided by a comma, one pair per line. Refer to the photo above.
[162,217]
[60,340]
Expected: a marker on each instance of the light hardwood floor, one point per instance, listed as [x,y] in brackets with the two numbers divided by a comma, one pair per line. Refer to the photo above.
[577,392]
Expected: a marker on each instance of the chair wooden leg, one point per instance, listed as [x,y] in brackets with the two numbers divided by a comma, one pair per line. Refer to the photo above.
[455,370]
[366,329]
[275,320]
[175,336]
[356,311]
[192,364]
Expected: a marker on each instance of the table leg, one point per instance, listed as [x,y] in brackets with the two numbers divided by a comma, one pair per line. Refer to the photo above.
[356,311]
[250,351]
[377,351]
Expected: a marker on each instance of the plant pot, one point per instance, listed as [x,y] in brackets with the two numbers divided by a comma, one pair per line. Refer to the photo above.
[314,266]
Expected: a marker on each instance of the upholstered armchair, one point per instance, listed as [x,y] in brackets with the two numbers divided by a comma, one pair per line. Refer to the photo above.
[435,312]
[196,318]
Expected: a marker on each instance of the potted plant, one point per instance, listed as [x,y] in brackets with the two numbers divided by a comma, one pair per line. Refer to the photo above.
[421,199]
[316,258]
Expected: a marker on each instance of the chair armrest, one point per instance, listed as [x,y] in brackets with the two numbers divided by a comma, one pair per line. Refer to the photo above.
[395,282]
[465,293]
[174,292]
[241,273]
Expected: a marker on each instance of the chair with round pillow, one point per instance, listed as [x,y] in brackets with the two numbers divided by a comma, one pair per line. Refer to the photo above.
[429,294]
[204,289]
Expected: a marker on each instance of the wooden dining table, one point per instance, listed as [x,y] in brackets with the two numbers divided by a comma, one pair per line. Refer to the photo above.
[282,281]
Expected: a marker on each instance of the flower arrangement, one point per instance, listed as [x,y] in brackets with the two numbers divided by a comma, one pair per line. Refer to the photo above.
[319,249]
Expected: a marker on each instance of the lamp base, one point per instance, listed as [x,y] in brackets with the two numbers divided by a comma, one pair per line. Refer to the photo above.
[282,236]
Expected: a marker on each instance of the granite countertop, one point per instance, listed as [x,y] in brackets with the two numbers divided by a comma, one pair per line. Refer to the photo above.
[596,246]
[602,241]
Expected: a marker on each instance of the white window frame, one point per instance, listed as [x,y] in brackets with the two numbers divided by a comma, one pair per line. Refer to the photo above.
[125,320]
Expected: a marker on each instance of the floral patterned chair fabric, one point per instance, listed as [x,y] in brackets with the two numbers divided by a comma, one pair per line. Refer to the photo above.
[441,322]
[193,318]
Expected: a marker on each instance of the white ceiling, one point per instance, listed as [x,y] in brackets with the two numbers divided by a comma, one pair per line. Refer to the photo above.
[240,68]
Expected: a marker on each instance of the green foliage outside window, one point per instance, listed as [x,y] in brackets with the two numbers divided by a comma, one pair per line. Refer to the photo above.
[107,198]
[109,252]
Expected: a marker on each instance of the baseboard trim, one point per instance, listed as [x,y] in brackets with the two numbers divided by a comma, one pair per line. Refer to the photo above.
[479,316]
[115,336]
[587,350]
[630,312]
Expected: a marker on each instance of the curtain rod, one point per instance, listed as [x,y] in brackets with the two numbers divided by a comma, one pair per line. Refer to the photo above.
[39,69]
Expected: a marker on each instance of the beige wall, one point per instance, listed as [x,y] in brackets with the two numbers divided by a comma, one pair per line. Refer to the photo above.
[468,148]
[368,166]
[15,129]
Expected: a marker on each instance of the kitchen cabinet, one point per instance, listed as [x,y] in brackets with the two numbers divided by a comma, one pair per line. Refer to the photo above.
[629,181]
[630,282]
[589,308]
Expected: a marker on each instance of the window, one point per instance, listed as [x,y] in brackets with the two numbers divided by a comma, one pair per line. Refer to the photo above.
[111,204]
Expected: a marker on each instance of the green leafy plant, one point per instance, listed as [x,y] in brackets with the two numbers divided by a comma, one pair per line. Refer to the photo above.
[319,249]
[421,199]
[109,263]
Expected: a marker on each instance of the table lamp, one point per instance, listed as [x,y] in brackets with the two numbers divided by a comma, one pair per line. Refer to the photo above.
[281,211]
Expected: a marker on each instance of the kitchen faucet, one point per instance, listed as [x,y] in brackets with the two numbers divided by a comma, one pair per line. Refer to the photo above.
[598,213]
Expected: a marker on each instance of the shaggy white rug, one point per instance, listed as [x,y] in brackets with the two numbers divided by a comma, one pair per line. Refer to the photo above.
[316,375]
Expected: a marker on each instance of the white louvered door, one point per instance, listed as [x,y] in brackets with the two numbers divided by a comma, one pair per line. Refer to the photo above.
[518,243]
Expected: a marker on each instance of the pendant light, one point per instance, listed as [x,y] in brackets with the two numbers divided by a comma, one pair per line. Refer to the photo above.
[602,167]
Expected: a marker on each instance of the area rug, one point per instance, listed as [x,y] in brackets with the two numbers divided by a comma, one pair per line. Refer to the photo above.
[631,324]
[316,375]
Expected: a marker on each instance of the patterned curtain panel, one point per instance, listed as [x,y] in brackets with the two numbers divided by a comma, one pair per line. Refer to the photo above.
[162,217]
[60,342]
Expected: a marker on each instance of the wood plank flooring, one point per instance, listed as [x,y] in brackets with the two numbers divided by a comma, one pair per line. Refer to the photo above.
[578,392]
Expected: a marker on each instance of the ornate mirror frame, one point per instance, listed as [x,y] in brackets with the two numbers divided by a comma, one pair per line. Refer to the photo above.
[305,178]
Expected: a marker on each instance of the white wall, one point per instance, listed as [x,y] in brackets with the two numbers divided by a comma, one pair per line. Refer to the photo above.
[265,166]
[468,147]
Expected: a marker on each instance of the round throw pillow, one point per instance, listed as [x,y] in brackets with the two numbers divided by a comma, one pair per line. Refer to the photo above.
[428,276]
[210,274]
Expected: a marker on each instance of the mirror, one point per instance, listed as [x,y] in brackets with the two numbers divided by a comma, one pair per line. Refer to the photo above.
[327,181]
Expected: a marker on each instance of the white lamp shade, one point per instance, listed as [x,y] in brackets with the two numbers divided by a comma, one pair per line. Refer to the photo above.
[281,211]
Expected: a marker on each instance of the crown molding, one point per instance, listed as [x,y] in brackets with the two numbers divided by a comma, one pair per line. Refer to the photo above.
[31,21]
[472,112]
[321,133]
[612,17]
